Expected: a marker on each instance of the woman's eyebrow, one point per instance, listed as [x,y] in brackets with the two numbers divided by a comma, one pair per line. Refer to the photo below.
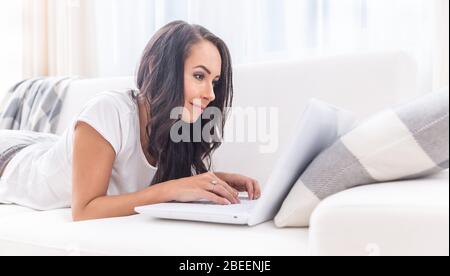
[206,69]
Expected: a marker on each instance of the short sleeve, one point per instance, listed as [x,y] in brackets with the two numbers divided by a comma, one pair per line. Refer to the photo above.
[103,114]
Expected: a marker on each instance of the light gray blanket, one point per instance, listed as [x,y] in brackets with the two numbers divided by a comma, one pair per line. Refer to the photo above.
[34,104]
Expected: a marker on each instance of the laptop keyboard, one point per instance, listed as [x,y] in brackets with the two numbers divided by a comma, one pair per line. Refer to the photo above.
[245,206]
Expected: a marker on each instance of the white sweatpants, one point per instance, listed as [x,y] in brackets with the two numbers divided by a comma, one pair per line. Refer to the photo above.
[12,141]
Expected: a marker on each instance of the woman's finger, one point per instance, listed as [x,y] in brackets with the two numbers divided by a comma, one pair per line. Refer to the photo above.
[250,191]
[240,187]
[214,198]
[257,189]
[218,189]
[223,192]
[230,189]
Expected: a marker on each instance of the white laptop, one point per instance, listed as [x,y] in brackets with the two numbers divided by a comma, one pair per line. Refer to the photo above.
[320,125]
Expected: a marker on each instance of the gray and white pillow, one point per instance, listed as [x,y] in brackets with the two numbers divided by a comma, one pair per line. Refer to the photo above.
[406,142]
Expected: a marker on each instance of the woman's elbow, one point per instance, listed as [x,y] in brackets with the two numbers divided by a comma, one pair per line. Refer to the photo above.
[79,215]
[76,216]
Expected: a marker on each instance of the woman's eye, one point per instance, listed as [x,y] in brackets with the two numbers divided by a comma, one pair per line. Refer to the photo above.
[199,77]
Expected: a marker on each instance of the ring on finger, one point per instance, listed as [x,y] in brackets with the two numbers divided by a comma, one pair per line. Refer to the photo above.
[214,183]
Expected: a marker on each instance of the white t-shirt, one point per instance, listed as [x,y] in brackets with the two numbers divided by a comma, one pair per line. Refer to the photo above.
[40,176]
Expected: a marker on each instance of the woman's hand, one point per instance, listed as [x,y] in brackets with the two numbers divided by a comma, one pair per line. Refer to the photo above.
[242,184]
[204,186]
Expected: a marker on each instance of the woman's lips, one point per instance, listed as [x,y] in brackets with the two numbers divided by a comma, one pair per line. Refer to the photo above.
[199,107]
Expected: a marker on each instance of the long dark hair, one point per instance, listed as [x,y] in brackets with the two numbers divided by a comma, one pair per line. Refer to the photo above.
[160,82]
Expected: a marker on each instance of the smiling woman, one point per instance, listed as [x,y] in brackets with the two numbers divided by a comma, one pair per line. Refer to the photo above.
[118,149]
[169,76]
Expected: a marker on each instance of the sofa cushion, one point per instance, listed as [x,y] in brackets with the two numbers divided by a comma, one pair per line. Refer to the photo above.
[11,210]
[408,142]
[409,217]
[53,233]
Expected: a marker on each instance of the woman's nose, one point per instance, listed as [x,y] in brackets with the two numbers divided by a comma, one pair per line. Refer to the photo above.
[209,94]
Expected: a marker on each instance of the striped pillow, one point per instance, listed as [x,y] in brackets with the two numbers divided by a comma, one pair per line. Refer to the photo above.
[407,142]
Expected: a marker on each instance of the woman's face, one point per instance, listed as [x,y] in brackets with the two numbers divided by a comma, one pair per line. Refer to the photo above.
[202,70]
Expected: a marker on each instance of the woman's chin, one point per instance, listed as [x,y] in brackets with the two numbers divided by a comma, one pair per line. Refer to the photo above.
[190,117]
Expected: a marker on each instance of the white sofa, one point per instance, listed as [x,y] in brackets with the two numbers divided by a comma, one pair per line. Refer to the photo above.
[407,218]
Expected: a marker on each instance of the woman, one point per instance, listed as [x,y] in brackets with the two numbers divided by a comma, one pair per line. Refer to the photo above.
[118,151]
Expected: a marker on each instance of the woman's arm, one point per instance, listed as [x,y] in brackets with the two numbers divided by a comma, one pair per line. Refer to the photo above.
[183,190]
[119,206]
[93,159]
